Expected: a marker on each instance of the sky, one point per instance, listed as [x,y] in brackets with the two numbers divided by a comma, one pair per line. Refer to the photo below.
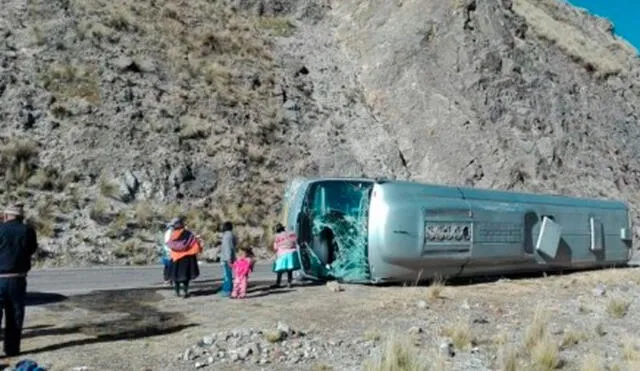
[625,15]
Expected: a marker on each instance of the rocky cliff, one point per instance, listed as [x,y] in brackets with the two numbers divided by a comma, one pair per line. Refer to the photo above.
[117,115]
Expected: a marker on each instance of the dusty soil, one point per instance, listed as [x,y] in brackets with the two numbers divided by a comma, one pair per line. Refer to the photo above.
[587,317]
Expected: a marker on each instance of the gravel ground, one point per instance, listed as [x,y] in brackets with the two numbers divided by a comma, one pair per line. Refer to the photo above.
[508,324]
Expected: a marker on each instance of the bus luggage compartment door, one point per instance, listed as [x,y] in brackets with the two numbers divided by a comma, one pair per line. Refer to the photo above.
[447,233]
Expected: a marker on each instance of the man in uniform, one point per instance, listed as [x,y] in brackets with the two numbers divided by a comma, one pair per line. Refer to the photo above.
[18,243]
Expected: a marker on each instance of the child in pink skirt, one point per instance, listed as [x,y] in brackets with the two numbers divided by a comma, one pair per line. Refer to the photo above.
[241,269]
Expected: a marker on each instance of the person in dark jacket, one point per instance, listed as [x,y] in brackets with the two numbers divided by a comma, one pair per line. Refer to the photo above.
[18,243]
[227,257]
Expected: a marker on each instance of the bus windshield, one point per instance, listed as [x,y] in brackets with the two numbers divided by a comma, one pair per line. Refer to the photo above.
[338,218]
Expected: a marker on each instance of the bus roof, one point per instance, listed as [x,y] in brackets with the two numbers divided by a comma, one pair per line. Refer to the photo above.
[483,193]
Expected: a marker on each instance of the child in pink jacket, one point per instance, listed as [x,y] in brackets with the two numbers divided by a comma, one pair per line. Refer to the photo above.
[241,269]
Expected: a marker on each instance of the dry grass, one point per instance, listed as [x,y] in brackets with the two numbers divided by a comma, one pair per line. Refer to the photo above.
[108,188]
[18,160]
[571,338]
[100,211]
[66,81]
[279,26]
[144,213]
[194,128]
[500,339]
[133,249]
[273,336]
[574,42]
[618,307]
[398,354]
[372,335]
[42,180]
[224,57]
[172,210]
[117,225]
[542,349]
[630,351]
[537,329]
[592,362]
[545,354]
[45,218]
[434,291]
[206,224]
[461,335]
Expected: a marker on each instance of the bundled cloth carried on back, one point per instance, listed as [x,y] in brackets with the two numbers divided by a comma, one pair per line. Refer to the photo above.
[182,242]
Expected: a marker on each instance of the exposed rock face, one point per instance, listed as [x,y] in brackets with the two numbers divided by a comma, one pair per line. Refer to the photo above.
[130,107]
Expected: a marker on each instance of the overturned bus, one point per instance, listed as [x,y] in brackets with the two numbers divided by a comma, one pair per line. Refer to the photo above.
[376,230]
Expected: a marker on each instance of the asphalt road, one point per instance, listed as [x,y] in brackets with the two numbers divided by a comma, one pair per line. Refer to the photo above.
[71,281]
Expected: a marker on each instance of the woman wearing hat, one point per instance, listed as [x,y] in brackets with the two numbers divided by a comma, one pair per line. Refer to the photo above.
[185,247]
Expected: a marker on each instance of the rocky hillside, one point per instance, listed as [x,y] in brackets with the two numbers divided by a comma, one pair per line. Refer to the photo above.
[118,115]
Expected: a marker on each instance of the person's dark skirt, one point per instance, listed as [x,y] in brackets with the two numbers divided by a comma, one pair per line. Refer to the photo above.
[185,269]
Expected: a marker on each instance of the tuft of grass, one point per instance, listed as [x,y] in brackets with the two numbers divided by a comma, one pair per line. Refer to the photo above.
[537,329]
[398,354]
[279,26]
[545,354]
[18,160]
[65,81]
[172,210]
[118,225]
[571,338]
[434,291]
[461,335]
[592,362]
[144,214]
[100,211]
[131,248]
[630,351]
[194,128]
[500,340]
[44,221]
[274,336]
[41,180]
[107,188]
[618,307]
[372,335]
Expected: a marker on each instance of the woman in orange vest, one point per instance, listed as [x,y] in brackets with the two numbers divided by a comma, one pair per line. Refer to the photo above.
[185,247]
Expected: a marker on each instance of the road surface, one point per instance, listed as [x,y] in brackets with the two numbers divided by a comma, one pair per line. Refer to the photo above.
[71,281]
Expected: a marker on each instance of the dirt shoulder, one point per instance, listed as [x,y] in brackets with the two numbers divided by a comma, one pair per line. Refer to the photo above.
[541,323]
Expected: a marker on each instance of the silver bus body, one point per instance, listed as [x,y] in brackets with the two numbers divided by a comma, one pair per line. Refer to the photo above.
[398,231]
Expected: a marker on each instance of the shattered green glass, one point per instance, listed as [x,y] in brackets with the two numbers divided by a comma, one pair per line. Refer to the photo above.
[349,227]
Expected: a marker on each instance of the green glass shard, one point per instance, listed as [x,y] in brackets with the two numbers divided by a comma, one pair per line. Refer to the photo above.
[349,228]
